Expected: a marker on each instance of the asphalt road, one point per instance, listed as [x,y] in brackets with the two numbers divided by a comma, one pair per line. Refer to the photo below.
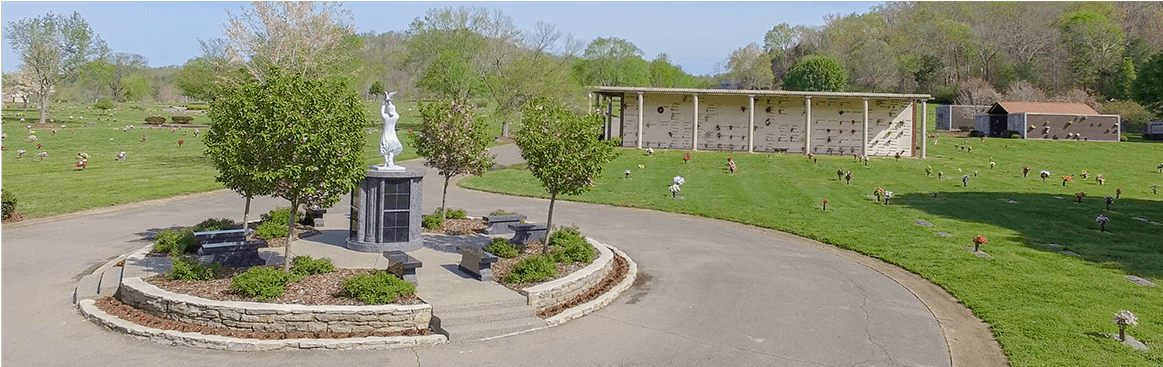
[709,294]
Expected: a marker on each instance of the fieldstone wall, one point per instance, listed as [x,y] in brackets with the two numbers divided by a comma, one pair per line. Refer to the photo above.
[271,317]
[561,290]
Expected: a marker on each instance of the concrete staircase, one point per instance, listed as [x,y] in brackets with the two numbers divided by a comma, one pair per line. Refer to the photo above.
[482,320]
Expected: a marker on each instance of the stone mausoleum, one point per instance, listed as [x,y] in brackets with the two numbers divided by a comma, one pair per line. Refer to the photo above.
[766,121]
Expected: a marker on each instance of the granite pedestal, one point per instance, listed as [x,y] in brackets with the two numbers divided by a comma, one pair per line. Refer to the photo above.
[385,211]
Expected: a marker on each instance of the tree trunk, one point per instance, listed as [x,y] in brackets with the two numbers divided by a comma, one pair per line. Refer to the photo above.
[548,224]
[505,128]
[290,235]
[246,213]
[43,106]
[443,199]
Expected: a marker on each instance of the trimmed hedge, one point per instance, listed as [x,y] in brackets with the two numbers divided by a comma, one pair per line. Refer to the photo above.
[532,269]
[175,242]
[155,120]
[376,288]
[182,119]
[8,200]
[452,213]
[187,268]
[569,246]
[262,282]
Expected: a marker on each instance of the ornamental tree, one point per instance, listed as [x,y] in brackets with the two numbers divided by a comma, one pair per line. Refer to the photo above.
[817,73]
[452,141]
[301,139]
[562,149]
[52,48]
[1148,86]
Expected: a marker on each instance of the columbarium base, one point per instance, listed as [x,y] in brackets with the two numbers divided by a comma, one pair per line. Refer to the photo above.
[385,211]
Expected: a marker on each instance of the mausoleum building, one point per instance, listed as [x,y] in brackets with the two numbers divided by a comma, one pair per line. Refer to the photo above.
[766,121]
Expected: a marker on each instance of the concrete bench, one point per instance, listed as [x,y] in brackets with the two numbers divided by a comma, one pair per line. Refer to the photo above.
[499,224]
[403,265]
[238,254]
[314,217]
[527,233]
[229,235]
[475,260]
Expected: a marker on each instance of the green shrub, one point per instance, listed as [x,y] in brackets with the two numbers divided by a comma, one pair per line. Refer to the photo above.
[376,288]
[306,265]
[216,224]
[532,269]
[182,119]
[8,200]
[269,230]
[1123,138]
[281,215]
[175,242]
[452,213]
[502,212]
[1010,134]
[155,120]
[501,248]
[569,246]
[188,268]
[197,106]
[432,221]
[104,105]
[262,282]
[976,134]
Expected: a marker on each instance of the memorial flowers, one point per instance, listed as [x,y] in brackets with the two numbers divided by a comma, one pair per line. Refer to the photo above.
[1118,192]
[1102,220]
[686,158]
[992,164]
[928,170]
[627,173]
[1109,200]
[1044,174]
[731,165]
[940,174]
[878,192]
[1101,179]
[965,181]
[825,204]
[1066,179]
[887,195]
[1080,195]
[978,241]
[1026,171]
[1085,175]
[848,178]
[1123,319]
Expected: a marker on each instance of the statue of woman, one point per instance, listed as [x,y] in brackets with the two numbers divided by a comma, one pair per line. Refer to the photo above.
[390,144]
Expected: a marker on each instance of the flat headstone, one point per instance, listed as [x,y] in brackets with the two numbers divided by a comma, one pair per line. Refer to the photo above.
[979,253]
[1140,281]
[924,223]
[1009,201]
[1130,342]
[1071,253]
[1059,197]
[943,234]
[1054,245]
[1143,219]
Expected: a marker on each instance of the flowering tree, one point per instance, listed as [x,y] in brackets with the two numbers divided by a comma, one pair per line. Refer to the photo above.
[562,149]
[453,142]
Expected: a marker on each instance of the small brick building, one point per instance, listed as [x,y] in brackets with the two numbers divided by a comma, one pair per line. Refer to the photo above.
[1048,121]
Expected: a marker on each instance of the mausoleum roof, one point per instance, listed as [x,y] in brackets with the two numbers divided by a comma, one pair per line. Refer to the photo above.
[603,89]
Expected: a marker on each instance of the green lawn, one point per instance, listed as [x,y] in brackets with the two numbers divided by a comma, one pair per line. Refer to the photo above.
[1046,309]
[155,168]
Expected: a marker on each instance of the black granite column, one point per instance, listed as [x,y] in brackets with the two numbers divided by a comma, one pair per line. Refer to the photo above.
[385,212]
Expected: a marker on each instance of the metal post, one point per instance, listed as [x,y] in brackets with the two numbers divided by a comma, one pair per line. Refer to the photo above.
[864,140]
[695,134]
[751,124]
[640,120]
[808,133]
[609,118]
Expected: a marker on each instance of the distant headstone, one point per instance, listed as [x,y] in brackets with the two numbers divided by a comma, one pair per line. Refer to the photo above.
[1130,342]
[924,223]
[1059,197]
[1140,281]
[979,253]
[1071,253]
[1054,245]
[943,234]
[1009,201]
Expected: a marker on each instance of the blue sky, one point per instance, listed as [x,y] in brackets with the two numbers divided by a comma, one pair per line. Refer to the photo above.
[695,35]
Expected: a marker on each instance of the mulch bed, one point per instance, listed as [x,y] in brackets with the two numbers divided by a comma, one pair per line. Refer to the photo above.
[461,226]
[318,289]
[621,267]
[125,312]
[14,217]
[503,266]
[301,231]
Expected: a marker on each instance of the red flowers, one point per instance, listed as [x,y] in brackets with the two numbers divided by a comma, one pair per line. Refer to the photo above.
[825,204]
[180,142]
[980,240]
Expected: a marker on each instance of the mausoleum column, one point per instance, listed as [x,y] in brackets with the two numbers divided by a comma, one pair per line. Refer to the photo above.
[808,132]
[864,140]
[695,132]
[751,124]
[924,127]
[639,120]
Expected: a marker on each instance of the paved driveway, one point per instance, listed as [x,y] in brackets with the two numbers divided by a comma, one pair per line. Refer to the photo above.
[709,293]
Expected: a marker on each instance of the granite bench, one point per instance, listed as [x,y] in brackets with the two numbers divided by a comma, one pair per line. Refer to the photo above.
[403,265]
[499,224]
[314,217]
[237,254]
[229,235]
[475,260]
[527,233]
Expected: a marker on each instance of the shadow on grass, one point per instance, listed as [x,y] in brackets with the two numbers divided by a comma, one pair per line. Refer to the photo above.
[1131,241]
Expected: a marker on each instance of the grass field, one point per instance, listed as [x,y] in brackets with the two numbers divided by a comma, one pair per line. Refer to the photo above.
[1045,308]
[154,168]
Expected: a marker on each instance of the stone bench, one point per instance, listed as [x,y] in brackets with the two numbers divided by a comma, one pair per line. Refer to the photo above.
[403,265]
[475,260]
[314,217]
[527,233]
[229,235]
[238,254]
[499,224]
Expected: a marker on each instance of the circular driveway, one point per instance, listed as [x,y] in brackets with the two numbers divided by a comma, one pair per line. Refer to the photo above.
[709,293]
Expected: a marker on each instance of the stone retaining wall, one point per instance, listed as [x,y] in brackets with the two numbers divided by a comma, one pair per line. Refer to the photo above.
[271,316]
[561,290]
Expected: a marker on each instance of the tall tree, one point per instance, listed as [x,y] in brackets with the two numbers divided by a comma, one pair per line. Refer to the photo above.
[52,47]
[750,68]
[817,73]
[1147,88]
[612,62]
[1096,47]
[114,71]
[311,39]
[562,149]
[453,142]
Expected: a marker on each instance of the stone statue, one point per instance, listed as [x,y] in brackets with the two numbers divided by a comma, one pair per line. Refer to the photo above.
[390,144]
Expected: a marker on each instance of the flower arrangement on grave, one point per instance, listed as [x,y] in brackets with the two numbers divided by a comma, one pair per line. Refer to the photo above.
[1085,175]
[940,174]
[674,189]
[825,204]
[1109,200]
[898,155]
[1102,220]
[1118,192]
[649,151]
[878,192]
[1155,189]
[1101,179]
[180,142]
[1160,167]
[1026,171]
[1123,319]
[1066,179]
[1044,174]
[928,170]
[839,174]
[627,173]
[887,195]
[1080,195]
[731,165]
[965,181]
[143,137]
[812,156]
[20,153]
[978,241]
[641,166]
[678,180]
[848,178]
[42,155]
[686,158]
[992,164]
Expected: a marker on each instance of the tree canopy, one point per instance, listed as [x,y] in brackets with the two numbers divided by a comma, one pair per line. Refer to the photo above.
[52,47]
[1147,88]
[452,141]
[817,73]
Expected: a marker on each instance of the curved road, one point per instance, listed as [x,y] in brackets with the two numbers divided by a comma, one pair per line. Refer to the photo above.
[709,293]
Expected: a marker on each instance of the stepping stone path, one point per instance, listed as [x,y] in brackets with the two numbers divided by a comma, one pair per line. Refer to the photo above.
[924,223]
[1071,253]
[943,234]
[1140,281]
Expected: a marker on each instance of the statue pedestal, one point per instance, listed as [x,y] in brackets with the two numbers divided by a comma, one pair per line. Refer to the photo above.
[385,212]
